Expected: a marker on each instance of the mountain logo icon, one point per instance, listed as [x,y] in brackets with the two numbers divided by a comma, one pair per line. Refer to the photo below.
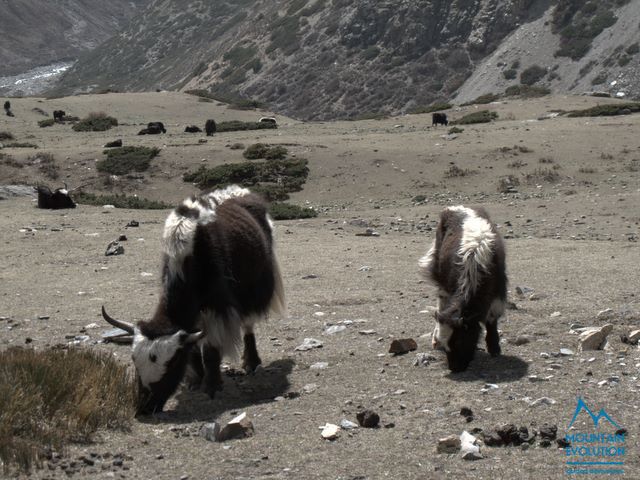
[602,414]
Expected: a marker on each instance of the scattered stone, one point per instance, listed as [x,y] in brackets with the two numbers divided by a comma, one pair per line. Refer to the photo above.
[368,419]
[43,317]
[534,297]
[467,413]
[310,388]
[319,366]
[348,424]
[563,443]
[548,432]
[311,276]
[367,332]
[566,352]
[468,447]
[542,401]
[605,314]
[114,248]
[330,431]
[210,431]
[113,144]
[369,232]
[544,355]
[423,359]
[523,291]
[521,340]
[594,338]
[450,444]
[632,339]
[133,223]
[239,427]
[333,329]
[555,314]
[402,346]
[122,238]
[308,344]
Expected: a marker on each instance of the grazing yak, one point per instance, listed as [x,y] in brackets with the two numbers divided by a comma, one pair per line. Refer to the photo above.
[7,108]
[219,277]
[467,264]
[192,129]
[153,128]
[58,115]
[439,119]
[210,127]
[55,200]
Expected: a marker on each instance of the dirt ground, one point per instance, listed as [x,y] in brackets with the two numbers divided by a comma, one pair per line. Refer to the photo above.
[572,240]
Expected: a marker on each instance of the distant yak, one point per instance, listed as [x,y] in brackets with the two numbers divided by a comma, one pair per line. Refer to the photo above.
[439,119]
[58,115]
[210,127]
[55,200]
[7,108]
[192,129]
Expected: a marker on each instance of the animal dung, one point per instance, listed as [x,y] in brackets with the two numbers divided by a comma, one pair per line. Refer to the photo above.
[403,345]
[368,419]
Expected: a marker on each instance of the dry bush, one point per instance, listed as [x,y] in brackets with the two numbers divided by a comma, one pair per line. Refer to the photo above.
[540,175]
[587,170]
[517,163]
[507,184]
[546,160]
[51,397]
[46,164]
[455,171]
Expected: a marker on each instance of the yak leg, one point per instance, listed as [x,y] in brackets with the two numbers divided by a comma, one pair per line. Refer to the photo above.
[212,379]
[250,357]
[195,369]
[493,338]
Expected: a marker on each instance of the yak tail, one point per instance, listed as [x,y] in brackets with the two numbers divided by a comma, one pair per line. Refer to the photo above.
[278,305]
[476,253]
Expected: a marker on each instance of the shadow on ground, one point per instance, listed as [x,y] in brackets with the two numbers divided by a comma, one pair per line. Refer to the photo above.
[239,391]
[503,368]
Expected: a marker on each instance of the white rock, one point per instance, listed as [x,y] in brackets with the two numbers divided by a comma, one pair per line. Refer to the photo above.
[308,344]
[348,424]
[367,332]
[566,352]
[594,338]
[335,329]
[468,447]
[542,401]
[634,336]
[91,326]
[605,314]
[555,314]
[319,366]
[310,388]
[450,444]
[330,431]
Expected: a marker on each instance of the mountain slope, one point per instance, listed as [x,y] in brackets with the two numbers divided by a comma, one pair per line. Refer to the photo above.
[36,33]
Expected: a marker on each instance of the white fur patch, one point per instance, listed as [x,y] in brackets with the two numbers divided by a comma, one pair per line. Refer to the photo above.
[425,262]
[162,349]
[177,237]
[476,250]
[225,336]
[441,336]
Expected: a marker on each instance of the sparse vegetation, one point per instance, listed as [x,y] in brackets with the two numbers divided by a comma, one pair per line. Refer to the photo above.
[123,160]
[9,161]
[262,150]
[532,75]
[454,130]
[607,110]
[541,175]
[545,160]
[20,145]
[599,79]
[587,170]
[237,125]
[526,91]
[510,74]
[633,49]
[47,122]
[95,122]
[483,99]
[517,163]
[508,184]
[6,136]
[287,211]
[51,397]
[237,146]
[455,171]
[46,164]
[419,199]
[483,116]
[119,201]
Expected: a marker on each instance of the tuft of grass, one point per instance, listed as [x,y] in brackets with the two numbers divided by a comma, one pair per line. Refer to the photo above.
[607,110]
[483,116]
[532,75]
[95,122]
[455,171]
[123,160]
[508,184]
[48,122]
[51,397]
[6,136]
[262,150]
[9,161]
[546,160]
[510,74]
[516,164]
[237,125]
[526,91]
[287,211]
[455,130]
[120,201]
[540,175]
[46,165]
[587,170]
[20,145]
[482,99]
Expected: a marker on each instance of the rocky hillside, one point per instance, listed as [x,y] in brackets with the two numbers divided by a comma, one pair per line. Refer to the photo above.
[325,59]
[36,32]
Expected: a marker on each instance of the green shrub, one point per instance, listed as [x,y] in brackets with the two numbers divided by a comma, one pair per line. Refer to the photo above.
[532,75]
[119,201]
[123,160]
[455,130]
[51,397]
[47,122]
[435,107]
[95,122]
[272,192]
[526,91]
[371,52]
[624,60]
[633,49]
[455,171]
[255,151]
[20,145]
[276,152]
[237,125]
[6,136]
[607,110]
[287,211]
[599,79]
[483,116]
[483,99]
[510,74]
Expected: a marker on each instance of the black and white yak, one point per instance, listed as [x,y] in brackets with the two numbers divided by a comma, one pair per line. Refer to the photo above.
[56,200]
[220,276]
[467,264]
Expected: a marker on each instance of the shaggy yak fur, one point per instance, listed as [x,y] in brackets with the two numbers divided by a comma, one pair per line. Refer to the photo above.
[220,277]
[55,200]
[439,119]
[467,264]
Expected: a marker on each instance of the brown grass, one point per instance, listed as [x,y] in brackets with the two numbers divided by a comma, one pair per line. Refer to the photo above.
[455,171]
[51,397]
[541,175]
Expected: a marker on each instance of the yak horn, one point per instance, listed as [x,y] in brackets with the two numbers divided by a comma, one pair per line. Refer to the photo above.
[127,327]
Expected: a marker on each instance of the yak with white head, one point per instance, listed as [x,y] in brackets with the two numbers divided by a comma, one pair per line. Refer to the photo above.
[220,276]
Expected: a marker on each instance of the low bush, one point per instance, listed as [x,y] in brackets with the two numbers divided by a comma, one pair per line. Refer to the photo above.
[48,122]
[455,171]
[435,107]
[510,74]
[507,184]
[540,175]
[483,116]
[532,75]
[51,397]
[453,130]
[20,145]
[6,136]
[237,125]
[95,122]
[526,91]
[483,99]
[123,160]
[262,150]
[287,211]
[119,201]
[607,110]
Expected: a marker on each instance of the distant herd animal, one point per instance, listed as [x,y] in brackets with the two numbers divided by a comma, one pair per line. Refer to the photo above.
[58,115]
[439,119]
[54,200]
[7,109]
[210,127]
[153,128]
